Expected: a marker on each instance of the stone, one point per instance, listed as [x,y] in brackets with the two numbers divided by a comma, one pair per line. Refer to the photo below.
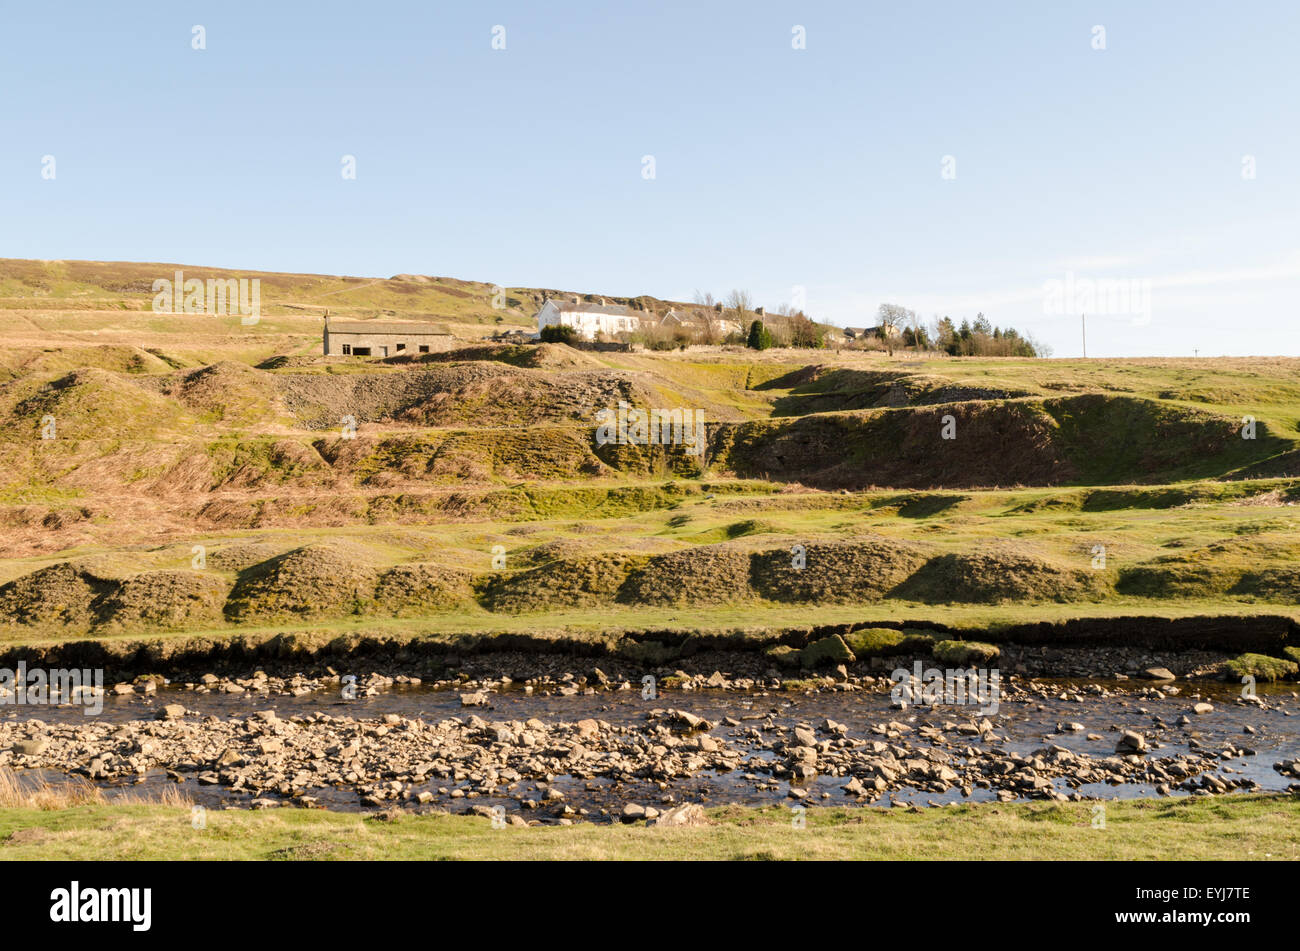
[686,815]
[1159,673]
[172,711]
[1203,708]
[33,747]
[1131,742]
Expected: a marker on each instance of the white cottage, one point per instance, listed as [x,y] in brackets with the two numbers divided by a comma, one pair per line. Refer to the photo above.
[588,319]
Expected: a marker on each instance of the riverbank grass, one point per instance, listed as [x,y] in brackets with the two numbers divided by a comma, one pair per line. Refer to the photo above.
[1250,827]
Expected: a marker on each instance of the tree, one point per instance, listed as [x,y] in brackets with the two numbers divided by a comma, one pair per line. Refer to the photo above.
[739,303]
[759,337]
[804,333]
[896,316]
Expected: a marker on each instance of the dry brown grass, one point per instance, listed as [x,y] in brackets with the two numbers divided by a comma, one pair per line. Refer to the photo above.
[34,792]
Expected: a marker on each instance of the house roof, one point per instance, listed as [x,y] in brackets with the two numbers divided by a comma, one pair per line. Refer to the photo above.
[408,328]
[620,310]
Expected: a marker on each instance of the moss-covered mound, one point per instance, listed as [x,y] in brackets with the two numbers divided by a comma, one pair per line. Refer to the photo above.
[841,572]
[312,581]
[60,596]
[965,653]
[421,589]
[164,599]
[887,642]
[1000,572]
[707,574]
[1262,667]
[564,583]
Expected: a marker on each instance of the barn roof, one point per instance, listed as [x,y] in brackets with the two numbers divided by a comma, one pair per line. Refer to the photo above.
[408,328]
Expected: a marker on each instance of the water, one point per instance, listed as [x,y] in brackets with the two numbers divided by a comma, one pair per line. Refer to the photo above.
[1028,724]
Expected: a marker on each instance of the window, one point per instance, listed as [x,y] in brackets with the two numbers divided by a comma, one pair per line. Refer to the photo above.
[361,351]
[424,349]
[401,347]
[347,349]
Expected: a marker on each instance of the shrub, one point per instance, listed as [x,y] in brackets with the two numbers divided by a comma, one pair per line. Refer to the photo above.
[760,338]
[559,333]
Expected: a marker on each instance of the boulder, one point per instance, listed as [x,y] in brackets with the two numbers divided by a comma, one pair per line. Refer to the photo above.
[685,815]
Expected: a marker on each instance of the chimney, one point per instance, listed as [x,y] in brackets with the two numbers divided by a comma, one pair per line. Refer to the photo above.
[759,310]
[718,307]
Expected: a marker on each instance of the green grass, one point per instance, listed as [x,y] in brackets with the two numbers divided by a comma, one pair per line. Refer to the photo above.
[1202,828]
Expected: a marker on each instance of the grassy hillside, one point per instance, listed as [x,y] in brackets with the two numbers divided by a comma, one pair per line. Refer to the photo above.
[184,473]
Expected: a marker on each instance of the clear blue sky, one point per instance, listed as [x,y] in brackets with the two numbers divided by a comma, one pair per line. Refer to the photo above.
[775,168]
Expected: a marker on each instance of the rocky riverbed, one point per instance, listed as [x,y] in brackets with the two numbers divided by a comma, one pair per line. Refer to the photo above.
[610,746]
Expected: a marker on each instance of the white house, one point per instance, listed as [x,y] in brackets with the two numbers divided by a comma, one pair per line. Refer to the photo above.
[588,319]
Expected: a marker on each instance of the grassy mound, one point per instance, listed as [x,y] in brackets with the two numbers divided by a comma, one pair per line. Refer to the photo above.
[89,404]
[164,599]
[996,444]
[998,573]
[421,589]
[1259,566]
[1272,584]
[58,596]
[1093,439]
[539,454]
[1112,440]
[256,463]
[840,572]
[564,583]
[230,393]
[479,393]
[312,581]
[707,574]
[823,389]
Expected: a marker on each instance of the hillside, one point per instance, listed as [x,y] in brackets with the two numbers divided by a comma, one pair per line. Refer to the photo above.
[202,476]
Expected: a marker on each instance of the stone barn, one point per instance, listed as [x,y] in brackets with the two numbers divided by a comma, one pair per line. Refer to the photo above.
[384,338]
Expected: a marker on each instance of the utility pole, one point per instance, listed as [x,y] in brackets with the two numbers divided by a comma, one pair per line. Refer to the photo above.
[1083,323]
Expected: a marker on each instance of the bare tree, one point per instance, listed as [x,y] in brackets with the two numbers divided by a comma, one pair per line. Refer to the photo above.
[896,316]
[740,303]
[704,298]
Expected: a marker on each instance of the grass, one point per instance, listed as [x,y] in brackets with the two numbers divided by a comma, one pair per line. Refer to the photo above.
[22,793]
[1197,828]
[170,437]
[971,563]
